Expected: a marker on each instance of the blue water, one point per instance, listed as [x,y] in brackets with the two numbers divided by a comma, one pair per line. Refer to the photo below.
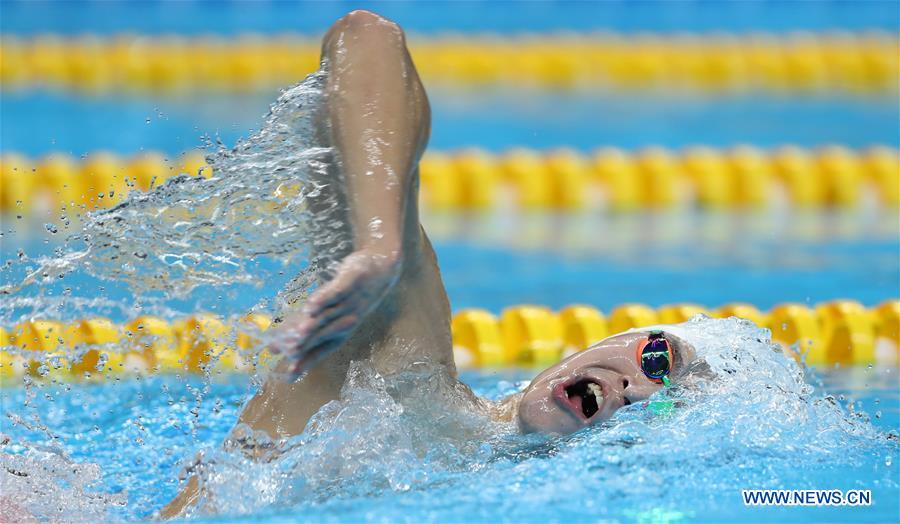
[500,260]
[230,17]
[142,432]
[708,259]
[34,124]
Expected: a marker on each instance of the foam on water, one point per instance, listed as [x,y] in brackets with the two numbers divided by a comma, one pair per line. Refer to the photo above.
[385,434]
[45,486]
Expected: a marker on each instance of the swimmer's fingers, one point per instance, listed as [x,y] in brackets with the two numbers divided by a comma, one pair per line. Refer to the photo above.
[325,342]
[303,331]
[340,327]
[300,367]
[284,341]
[338,289]
[312,357]
[336,309]
[290,334]
[354,303]
[361,277]
[297,329]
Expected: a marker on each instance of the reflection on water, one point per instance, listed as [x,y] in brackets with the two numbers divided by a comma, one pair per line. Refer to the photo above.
[596,233]
[494,260]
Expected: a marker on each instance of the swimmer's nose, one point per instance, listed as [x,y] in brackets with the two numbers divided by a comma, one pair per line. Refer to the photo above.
[634,391]
[623,387]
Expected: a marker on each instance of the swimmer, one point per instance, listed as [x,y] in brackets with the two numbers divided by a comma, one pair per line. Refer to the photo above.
[385,301]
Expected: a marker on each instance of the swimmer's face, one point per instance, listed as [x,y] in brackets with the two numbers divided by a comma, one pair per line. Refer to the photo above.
[590,386]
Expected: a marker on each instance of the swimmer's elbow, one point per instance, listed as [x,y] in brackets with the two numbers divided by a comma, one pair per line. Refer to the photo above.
[362,20]
[362,26]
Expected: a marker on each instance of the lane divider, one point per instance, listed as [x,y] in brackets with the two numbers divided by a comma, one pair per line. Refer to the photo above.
[864,62]
[101,180]
[561,179]
[838,332]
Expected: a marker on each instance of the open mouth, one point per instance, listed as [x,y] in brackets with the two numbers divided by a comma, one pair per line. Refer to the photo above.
[585,397]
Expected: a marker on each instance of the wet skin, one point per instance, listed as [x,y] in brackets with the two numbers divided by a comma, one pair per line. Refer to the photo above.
[589,386]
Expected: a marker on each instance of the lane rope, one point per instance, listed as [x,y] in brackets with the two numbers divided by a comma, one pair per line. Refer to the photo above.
[839,332]
[858,62]
[741,177]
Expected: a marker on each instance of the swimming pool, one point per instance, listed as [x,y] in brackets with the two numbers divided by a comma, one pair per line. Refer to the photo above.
[139,432]
[113,447]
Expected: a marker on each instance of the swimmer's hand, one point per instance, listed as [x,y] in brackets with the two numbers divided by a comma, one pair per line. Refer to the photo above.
[336,309]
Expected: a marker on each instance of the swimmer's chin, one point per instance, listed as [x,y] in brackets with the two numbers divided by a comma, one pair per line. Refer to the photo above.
[512,410]
[547,408]
[534,418]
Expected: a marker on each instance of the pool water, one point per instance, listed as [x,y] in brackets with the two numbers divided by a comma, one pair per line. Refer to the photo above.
[141,432]
[491,119]
[116,448]
[601,260]
[230,18]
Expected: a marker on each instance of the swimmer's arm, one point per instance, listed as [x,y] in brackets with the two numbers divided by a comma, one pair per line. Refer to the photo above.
[379,118]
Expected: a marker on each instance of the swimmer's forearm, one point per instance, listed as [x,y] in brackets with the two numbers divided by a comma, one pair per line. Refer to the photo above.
[378,111]
[186,498]
[379,126]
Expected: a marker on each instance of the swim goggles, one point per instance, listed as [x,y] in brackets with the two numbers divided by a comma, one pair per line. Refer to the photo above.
[654,356]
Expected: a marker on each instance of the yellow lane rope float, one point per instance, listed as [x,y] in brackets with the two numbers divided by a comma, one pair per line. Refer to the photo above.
[864,62]
[840,332]
[562,179]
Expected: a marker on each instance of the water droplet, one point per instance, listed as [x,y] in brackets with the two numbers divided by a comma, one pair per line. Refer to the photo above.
[101,361]
[375,228]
